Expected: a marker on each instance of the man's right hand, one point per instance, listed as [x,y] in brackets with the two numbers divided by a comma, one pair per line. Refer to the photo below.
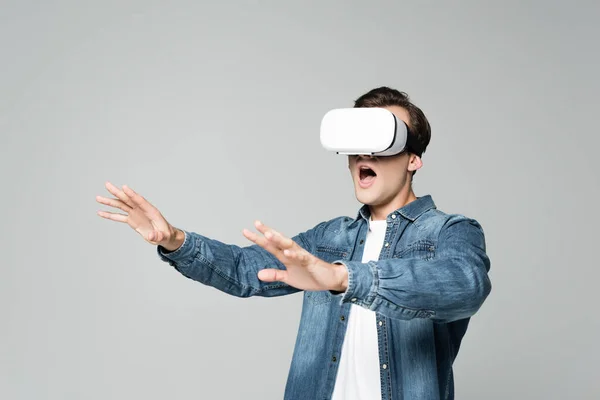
[142,216]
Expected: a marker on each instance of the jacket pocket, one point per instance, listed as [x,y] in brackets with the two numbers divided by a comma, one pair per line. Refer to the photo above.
[328,254]
[421,249]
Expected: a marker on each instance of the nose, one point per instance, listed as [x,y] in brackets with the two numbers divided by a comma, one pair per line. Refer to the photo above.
[368,156]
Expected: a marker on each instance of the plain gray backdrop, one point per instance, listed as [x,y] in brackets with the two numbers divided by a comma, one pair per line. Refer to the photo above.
[211,111]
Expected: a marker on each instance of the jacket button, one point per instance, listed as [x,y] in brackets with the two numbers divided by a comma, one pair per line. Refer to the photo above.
[353,299]
[333,359]
[384,366]
[393,216]
[342,318]
[387,244]
[380,323]
[361,241]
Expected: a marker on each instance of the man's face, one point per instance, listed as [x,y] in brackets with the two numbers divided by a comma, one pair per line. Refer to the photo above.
[391,172]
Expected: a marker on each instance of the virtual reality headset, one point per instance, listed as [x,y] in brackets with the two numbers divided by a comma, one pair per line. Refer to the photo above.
[366,130]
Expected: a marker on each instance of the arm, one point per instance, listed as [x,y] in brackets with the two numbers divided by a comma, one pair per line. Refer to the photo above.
[229,268]
[450,287]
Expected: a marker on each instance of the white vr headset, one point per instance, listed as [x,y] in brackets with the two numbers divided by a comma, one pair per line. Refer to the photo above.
[366,130]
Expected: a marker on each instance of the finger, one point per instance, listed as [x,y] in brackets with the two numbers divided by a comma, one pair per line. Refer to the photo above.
[272,275]
[276,237]
[260,240]
[264,243]
[113,203]
[113,216]
[279,240]
[156,236]
[274,240]
[118,193]
[262,228]
[137,199]
[290,253]
[302,256]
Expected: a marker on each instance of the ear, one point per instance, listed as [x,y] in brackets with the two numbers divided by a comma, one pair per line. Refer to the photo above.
[414,162]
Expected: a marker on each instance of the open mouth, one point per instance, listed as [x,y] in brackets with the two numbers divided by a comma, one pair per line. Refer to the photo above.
[366,175]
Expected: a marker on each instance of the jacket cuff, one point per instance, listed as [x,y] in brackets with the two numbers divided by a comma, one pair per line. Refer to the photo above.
[182,255]
[362,282]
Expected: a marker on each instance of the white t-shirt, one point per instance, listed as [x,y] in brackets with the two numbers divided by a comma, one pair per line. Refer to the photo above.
[358,373]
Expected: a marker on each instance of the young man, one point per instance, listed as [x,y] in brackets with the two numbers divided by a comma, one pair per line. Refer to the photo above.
[387,294]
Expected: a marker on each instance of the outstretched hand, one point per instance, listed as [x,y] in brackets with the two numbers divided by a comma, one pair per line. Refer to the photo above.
[140,215]
[303,270]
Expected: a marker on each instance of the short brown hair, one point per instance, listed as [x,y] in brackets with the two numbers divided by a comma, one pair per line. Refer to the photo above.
[384,96]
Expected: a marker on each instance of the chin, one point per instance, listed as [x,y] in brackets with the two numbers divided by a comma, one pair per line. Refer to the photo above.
[366,198]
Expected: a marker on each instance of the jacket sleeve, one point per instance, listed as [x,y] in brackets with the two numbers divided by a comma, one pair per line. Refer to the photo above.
[230,268]
[449,287]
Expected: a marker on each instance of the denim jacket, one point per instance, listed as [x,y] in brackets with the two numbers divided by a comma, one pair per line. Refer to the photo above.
[431,277]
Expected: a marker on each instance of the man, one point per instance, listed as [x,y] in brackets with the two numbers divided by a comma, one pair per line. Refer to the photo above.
[387,294]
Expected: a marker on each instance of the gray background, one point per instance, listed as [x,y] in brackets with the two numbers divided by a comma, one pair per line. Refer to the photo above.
[211,111]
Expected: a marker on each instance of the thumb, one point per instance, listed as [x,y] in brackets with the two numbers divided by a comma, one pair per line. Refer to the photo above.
[272,275]
[155,236]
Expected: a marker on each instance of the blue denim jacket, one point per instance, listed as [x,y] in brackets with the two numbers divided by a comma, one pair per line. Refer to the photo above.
[431,277]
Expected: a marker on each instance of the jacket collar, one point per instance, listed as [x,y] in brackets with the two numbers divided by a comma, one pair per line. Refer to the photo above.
[410,211]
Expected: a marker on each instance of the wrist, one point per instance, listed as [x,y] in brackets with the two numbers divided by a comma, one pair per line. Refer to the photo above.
[342,277]
[177,239]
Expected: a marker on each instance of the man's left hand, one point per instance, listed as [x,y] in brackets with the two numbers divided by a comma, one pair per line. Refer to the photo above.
[303,270]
